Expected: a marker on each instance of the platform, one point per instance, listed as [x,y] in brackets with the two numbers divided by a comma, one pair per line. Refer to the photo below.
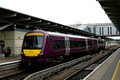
[108,70]
[9,59]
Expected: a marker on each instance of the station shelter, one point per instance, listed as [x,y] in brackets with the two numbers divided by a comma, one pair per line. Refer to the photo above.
[12,39]
[14,25]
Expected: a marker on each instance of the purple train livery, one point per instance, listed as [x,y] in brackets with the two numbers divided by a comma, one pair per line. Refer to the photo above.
[44,47]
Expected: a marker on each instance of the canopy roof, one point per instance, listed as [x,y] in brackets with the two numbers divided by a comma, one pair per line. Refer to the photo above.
[8,18]
[112,9]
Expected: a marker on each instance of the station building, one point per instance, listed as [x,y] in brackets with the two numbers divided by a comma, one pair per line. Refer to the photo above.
[12,39]
[104,29]
[14,25]
[101,29]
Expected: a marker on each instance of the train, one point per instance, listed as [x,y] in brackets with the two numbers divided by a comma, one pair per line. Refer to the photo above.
[46,47]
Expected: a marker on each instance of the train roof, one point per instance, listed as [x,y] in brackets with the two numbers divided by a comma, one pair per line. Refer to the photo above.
[62,34]
[68,35]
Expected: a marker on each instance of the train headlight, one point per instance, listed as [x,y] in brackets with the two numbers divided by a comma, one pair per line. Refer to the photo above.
[41,53]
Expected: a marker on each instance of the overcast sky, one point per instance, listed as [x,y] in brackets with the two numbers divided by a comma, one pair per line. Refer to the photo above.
[61,11]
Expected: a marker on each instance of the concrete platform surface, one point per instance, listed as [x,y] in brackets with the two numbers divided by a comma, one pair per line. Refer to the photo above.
[108,70]
[9,59]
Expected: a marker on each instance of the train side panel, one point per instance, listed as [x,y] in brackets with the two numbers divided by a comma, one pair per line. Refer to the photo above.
[46,52]
[57,47]
[77,45]
[90,44]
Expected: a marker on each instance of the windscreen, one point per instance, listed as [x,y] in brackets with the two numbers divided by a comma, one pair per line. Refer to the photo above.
[33,42]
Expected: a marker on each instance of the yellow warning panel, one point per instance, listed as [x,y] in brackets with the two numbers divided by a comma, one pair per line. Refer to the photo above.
[31,53]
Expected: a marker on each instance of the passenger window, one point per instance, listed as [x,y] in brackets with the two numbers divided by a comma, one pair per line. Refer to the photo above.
[72,45]
[89,43]
[77,44]
[59,44]
[95,42]
[100,42]
[82,43]
[51,44]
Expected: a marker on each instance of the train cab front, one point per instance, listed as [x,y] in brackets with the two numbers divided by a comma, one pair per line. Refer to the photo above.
[32,48]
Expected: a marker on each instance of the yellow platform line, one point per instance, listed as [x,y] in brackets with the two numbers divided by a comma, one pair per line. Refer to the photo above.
[113,77]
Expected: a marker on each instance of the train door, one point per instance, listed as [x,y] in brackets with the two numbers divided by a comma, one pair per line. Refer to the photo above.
[98,44]
[86,44]
[67,46]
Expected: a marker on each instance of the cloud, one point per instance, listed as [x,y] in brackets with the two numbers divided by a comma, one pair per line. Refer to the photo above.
[60,11]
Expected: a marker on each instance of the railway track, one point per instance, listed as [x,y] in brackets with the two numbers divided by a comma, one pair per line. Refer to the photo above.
[24,73]
[83,72]
[52,72]
[55,69]
[10,68]
[17,71]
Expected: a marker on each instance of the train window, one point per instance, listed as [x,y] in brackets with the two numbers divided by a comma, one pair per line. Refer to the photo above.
[59,44]
[74,44]
[103,42]
[71,44]
[83,44]
[77,44]
[95,43]
[33,42]
[89,43]
[51,44]
[100,42]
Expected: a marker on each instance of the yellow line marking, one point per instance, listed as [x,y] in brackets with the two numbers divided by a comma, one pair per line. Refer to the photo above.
[113,77]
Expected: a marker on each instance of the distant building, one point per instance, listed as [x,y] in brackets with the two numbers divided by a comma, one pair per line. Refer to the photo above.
[81,27]
[102,29]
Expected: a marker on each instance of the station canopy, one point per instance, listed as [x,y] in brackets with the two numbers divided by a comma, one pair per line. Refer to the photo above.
[11,19]
[112,9]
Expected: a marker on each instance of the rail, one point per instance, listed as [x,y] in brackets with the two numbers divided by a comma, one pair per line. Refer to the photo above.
[9,68]
[109,51]
[48,72]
